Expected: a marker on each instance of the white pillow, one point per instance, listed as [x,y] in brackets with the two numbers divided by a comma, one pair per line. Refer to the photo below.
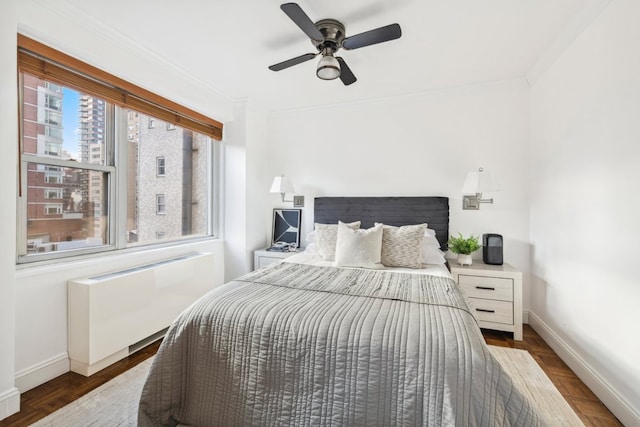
[311,237]
[359,248]
[326,237]
[402,246]
[311,249]
[430,239]
[431,253]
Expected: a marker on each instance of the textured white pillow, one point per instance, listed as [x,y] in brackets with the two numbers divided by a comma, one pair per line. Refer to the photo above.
[402,246]
[359,248]
[326,237]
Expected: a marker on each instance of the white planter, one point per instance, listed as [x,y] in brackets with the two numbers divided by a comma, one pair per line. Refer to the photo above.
[464,259]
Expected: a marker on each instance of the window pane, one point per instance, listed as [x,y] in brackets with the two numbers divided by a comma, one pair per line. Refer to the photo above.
[167,181]
[66,208]
[63,123]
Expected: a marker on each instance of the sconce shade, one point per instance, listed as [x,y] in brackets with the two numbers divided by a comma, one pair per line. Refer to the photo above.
[282,184]
[479,182]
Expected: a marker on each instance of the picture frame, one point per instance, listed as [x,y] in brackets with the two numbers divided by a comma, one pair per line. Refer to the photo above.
[286,227]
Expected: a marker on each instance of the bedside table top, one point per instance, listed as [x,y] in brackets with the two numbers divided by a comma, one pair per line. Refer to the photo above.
[275,254]
[479,266]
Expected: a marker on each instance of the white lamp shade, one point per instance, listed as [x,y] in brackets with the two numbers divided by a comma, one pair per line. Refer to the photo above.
[282,184]
[479,181]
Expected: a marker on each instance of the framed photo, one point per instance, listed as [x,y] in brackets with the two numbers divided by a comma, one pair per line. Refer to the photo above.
[286,226]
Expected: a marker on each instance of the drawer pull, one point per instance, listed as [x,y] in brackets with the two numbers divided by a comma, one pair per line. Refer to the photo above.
[485,288]
[485,310]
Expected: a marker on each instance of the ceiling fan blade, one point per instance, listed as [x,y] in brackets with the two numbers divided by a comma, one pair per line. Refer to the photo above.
[301,19]
[346,75]
[293,61]
[379,35]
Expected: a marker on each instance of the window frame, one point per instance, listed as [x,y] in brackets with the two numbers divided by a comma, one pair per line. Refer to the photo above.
[114,168]
[164,166]
[160,211]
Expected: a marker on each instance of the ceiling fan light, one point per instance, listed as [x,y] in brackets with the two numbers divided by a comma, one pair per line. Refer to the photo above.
[328,68]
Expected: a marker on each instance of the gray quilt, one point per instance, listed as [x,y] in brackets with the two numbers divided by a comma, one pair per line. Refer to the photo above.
[300,345]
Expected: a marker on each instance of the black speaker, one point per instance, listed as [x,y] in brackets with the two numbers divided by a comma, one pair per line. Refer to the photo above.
[492,249]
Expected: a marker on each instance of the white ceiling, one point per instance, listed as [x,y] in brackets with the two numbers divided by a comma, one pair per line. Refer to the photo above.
[445,43]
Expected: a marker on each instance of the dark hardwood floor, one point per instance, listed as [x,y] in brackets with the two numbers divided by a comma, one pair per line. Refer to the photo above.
[41,401]
[45,399]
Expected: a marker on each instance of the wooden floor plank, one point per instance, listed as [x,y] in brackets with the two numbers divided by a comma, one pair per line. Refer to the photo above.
[47,398]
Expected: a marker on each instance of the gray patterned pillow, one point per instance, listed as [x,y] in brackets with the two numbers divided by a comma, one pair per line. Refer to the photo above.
[402,246]
[326,238]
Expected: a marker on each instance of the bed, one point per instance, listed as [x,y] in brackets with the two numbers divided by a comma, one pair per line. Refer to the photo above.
[305,342]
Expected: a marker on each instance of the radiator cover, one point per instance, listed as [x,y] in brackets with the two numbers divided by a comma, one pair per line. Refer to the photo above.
[108,313]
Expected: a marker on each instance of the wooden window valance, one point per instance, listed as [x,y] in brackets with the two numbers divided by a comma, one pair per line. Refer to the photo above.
[47,63]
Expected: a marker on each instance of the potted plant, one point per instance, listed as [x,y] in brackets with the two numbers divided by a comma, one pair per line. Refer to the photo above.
[464,247]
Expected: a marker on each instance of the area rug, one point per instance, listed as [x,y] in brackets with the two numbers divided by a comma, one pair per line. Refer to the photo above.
[116,402]
[531,380]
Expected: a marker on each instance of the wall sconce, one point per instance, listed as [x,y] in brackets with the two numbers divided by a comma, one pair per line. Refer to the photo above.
[283,185]
[477,182]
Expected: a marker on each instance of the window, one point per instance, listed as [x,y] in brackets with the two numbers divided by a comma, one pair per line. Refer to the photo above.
[161,204]
[53,101]
[52,209]
[53,118]
[74,175]
[53,193]
[52,148]
[159,166]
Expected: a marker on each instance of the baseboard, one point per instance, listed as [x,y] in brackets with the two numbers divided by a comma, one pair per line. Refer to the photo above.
[617,404]
[525,316]
[9,403]
[42,372]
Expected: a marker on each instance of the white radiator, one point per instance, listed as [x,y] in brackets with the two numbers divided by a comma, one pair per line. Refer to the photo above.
[108,313]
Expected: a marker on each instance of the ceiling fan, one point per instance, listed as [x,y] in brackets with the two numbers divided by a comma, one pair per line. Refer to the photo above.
[328,36]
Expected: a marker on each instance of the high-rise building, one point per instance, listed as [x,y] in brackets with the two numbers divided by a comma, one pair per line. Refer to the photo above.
[52,215]
[92,141]
[68,206]
[171,180]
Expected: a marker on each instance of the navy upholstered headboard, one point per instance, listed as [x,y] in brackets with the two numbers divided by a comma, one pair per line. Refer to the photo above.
[388,210]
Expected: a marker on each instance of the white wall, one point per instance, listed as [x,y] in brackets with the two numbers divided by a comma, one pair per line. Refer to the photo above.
[245,199]
[585,162]
[33,319]
[41,306]
[422,144]
[9,398]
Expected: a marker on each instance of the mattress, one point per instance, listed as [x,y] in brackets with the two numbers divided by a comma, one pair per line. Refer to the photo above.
[301,344]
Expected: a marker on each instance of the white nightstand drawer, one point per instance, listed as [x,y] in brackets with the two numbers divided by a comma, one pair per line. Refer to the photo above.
[263,261]
[263,257]
[486,287]
[492,311]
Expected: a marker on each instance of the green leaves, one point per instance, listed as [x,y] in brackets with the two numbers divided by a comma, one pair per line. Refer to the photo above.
[462,245]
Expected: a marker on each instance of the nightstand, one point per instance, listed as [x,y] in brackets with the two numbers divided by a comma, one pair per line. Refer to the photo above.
[263,257]
[494,293]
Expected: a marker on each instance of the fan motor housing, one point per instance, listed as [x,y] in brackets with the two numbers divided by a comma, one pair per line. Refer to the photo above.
[333,32]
